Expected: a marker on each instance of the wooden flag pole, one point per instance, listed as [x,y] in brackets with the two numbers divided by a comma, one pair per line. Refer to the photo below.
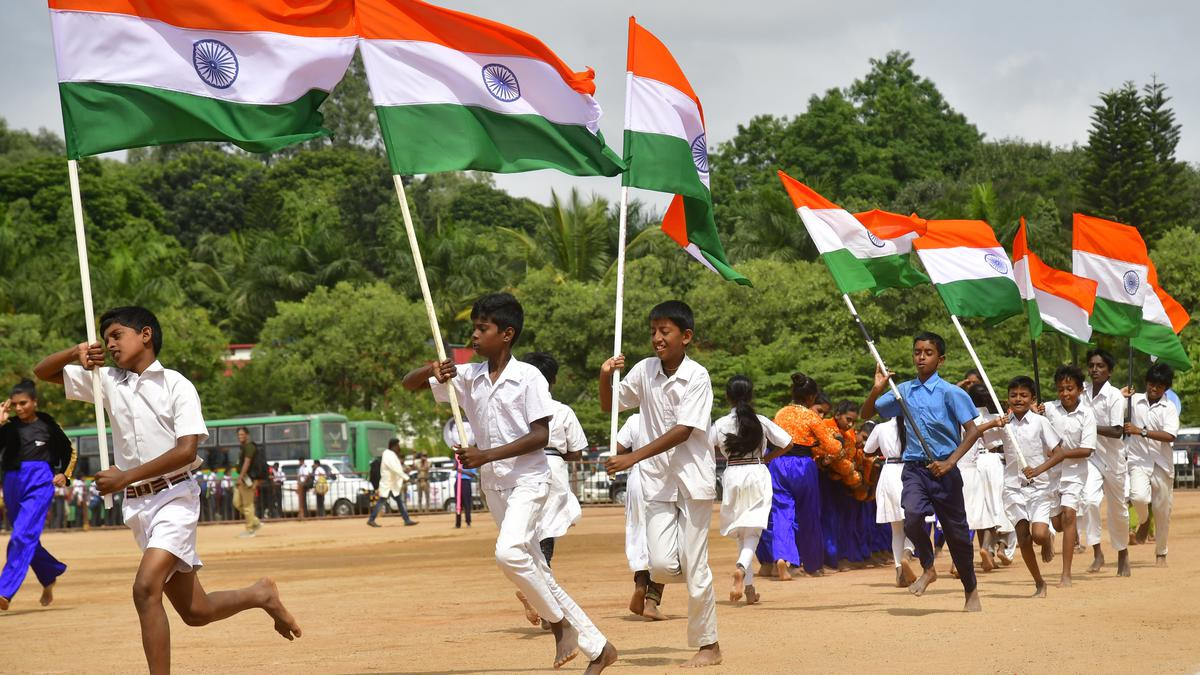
[89,313]
[431,313]
[862,327]
[1008,434]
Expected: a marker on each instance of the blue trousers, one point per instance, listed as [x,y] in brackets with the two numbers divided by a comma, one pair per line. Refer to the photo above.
[924,494]
[27,495]
[794,531]
[382,502]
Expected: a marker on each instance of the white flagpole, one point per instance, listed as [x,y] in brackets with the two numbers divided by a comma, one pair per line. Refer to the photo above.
[89,312]
[1009,436]
[429,310]
[620,304]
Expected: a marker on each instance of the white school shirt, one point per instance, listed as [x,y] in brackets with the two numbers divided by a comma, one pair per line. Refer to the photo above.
[1035,437]
[1158,416]
[1108,407]
[1076,429]
[884,438]
[566,434]
[689,470]
[632,435]
[772,433]
[501,413]
[392,476]
[149,413]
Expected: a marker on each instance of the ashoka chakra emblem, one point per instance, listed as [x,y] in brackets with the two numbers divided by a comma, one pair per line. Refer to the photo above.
[874,240]
[501,82]
[700,153]
[215,63]
[999,264]
[1131,281]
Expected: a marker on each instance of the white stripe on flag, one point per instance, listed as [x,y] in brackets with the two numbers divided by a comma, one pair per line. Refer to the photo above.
[1112,276]
[1063,315]
[822,235]
[961,263]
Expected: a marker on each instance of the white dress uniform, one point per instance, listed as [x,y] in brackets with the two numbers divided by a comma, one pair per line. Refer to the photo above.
[1030,500]
[975,503]
[562,506]
[990,464]
[632,436]
[1152,465]
[1077,430]
[885,439]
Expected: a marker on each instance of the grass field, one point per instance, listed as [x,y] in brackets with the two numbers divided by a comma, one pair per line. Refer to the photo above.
[429,599]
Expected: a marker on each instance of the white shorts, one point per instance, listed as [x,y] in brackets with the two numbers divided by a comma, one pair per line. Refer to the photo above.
[1033,503]
[1070,496]
[167,520]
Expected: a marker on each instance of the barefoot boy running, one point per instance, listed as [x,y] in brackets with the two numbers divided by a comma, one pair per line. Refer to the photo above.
[157,424]
[679,477]
[1150,433]
[1030,496]
[508,405]
[1076,426]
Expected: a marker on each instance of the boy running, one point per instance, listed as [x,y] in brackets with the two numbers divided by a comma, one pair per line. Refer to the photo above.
[1076,426]
[1109,469]
[679,478]
[1150,432]
[157,425]
[1030,497]
[507,403]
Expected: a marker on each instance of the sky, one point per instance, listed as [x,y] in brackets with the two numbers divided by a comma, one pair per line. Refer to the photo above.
[1016,69]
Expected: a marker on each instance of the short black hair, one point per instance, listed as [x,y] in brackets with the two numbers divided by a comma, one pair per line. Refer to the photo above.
[544,362]
[675,311]
[1104,356]
[25,388]
[1023,382]
[822,399]
[501,309]
[245,429]
[137,318]
[394,443]
[844,406]
[981,398]
[973,371]
[1068,372]
[1160,373]
[926,336]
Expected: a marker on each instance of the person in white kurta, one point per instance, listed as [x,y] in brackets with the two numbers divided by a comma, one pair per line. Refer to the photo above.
[1108,473]
[1153,425]
[1076,427]
[647,594]
[567,443]
[885,440]
[746,483]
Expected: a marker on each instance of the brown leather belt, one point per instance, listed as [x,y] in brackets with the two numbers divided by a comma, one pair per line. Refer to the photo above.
[743,462]
[156,485]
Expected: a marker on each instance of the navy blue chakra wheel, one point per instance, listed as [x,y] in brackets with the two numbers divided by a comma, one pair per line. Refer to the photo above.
[215,63]
[1131,282]
[999,264]
[501,82]
[700,153]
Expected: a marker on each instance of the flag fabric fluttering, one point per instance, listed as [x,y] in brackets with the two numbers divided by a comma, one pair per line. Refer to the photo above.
[1114,256]
[970,269]
[457,92]
[1053,298]
[666,148]
[1162,320]
[134,73]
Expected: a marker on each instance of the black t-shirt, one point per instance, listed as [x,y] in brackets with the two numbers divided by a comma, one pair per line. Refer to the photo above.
[35,441]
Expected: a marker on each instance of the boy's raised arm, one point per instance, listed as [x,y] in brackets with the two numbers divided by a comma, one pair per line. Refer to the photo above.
[418,378]
[607,369]
[877,389]
[50,369]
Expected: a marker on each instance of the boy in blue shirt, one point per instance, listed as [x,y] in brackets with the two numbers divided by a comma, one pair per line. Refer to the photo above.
[945,415]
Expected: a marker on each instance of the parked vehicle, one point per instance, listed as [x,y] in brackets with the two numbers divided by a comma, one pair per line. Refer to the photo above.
[443,486]
[348,493]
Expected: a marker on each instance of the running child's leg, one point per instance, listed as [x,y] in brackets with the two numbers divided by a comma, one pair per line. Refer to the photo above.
[915,499]
[27,507]
[694,518]
[1066,524]
[48,569]
[1118,519]
[1162,498]
[1026,540]
[199,608]
[904,573]
[156,566]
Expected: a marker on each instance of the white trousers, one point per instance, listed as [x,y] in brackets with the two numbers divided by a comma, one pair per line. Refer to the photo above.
[1154,487]
[636,550]
[677,535]
[517,513]
[1105,482]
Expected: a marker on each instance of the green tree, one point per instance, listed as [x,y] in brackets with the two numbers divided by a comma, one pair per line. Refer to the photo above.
[571,237]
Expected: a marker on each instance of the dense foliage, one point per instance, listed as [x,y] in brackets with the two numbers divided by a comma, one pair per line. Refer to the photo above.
[304,253]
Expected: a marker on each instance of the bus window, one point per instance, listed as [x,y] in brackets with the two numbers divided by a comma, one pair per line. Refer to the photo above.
[336,438]
[88,462]
[377,440]
[286,440]
[228,435]
[211,441]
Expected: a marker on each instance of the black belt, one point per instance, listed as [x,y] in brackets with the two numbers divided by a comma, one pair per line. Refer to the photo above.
[743,462]
[894,460]
[799,451]
[554,452]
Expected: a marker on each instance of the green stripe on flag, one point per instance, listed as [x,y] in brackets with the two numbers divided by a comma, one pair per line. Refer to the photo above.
[849,273]
[1116,318]
[1034,314]
[994,299]
[661,163]
[1159,340]
[894,271]
[428,138]
[100,117]
[702,231]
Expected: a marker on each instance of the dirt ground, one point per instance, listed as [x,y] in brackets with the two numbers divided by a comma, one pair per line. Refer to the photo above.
[429,599]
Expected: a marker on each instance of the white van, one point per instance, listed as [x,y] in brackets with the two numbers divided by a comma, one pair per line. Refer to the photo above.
[348,492]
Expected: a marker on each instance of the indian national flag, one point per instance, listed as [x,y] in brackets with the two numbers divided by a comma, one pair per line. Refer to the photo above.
[457,92]
[1162,320]
[1052,297]
[1115,257]
[133,73]
[666,148]
[969,268]
[856,257]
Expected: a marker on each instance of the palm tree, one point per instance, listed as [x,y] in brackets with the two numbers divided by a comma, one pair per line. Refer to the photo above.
[572,237]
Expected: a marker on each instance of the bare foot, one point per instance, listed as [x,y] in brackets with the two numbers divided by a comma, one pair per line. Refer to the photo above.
[752,596]
[781,570]
[1039,590]
[1065,581]
[818,573]
[843,565]
[1160,561]
[531,614]
[739,584]
[637,603]
[986,561]
[1143,531]
[1123,563]
[953,571]
[905,575]
[3,603]
[47,595]
[285,625]
[1097,563]
[973,604]
[608,656]
[1003,557]
[927,577]
[651,611]
[1048,551]
[709,655]
[765,570]
[566,642]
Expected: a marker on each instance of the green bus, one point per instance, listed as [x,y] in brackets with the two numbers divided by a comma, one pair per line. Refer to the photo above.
[281,436]
[368,440]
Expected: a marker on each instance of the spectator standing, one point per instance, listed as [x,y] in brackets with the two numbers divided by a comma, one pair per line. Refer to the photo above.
[303,480]
[468,496]
[277,479]
[227,494]
[79,501]
[392,484]
[423,467]
[320,481]
[58,508]
[252,472]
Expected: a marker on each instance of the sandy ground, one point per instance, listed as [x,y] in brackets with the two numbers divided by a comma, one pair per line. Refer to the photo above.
[429,599]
